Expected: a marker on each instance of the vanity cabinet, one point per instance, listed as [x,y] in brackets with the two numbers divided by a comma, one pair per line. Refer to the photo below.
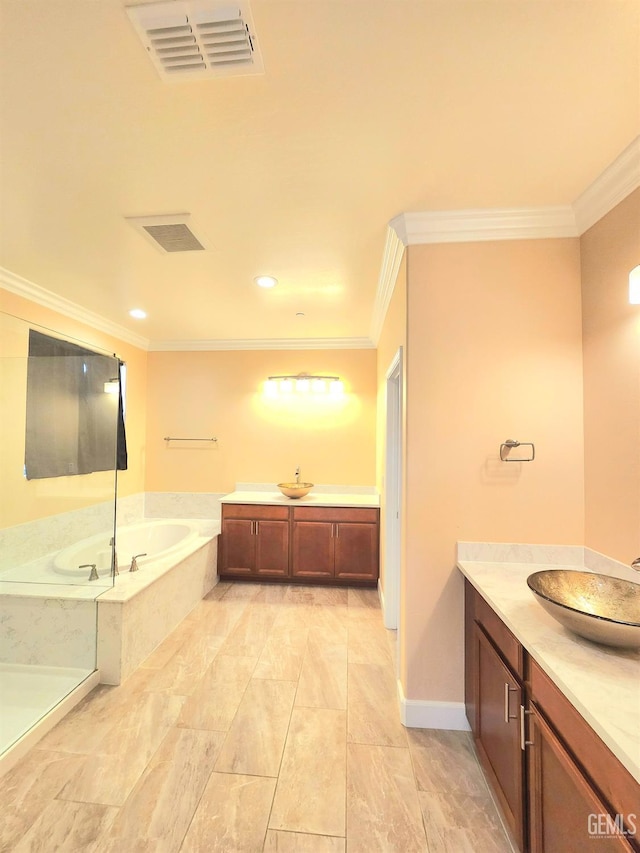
[255,541]
[299,543]
[558,784]
[496,693]
[335,543]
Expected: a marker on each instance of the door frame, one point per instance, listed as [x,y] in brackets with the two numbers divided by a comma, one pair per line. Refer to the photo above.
[393,491]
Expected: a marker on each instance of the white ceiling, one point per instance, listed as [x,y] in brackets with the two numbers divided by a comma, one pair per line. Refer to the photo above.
[367,109]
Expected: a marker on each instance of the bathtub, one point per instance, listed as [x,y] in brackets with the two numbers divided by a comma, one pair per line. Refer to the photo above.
[154,539]
[137,611]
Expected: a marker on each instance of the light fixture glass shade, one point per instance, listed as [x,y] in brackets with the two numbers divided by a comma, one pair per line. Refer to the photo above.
[271,388]
[286,386]
[318,386]
[634,286]
[336,388]
[303,385]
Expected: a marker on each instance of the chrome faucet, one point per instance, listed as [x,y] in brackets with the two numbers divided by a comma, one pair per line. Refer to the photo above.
[636,564]
[134,562]
[298,474]
[93,574]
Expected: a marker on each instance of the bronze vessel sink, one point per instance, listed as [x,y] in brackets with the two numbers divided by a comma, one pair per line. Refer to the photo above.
[295,490]
[597,607]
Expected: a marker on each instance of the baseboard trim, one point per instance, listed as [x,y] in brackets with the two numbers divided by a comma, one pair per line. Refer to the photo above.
[430,714]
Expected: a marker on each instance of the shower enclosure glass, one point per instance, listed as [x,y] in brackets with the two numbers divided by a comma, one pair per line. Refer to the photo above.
[48,609]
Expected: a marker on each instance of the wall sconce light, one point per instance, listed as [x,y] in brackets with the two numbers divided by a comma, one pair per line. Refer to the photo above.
[634,286]
[112,386]
[303,383]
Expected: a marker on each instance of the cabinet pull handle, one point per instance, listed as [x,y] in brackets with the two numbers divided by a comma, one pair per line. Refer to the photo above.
[337,530]
[256,524]
[523,737]
[507,690]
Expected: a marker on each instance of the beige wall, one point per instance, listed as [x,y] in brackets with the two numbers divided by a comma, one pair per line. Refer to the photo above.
[611,342]
[494,352]
[201,394]
[22,500]
[392,336]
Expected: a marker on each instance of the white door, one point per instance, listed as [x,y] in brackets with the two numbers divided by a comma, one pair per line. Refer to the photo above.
[393,493]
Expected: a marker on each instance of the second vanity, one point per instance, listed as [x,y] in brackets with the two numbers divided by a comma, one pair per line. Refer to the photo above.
[324,537]
[555,718]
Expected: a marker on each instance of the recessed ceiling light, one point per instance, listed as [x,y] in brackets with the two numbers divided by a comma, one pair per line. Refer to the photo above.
[266,281]
[138,313]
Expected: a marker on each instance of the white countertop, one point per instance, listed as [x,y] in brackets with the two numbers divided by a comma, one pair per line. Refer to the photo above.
[602,683]
[312,499]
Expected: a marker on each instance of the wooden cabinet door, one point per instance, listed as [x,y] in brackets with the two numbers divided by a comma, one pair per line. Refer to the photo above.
[272,548]
[238,546]
[498,699]
[565,813]
[313,549]
[356,551]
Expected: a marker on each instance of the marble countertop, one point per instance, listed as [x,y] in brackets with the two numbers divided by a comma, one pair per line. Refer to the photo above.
[312,499]
[602,683]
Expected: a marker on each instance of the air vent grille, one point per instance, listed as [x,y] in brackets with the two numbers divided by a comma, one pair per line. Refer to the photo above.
[192,39]
[169,232]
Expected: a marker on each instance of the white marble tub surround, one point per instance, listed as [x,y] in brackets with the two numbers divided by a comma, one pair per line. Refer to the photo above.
[143,607]
[204,505]
[602,683]
[321,495]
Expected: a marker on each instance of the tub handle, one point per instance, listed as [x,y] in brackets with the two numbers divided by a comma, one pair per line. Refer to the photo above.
[93,574]
[134,562]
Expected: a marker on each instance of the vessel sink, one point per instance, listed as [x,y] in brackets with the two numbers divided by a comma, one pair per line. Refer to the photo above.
[295,490]
[597,607]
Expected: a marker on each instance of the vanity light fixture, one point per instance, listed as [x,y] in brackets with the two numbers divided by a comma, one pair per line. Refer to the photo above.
[303,383]
[634,286]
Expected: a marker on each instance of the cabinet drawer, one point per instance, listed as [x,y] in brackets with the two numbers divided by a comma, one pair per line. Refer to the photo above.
[331,513]
[616,785]
[255,511]
[510,648]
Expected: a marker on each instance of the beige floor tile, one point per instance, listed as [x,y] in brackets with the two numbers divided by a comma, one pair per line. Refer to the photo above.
[65,826]
[283,652]
[232,815]
[373,706]
[248,636]
[218,617]
[183,671]
[363,598]
[383,811]
[323,676]
[299,842]
[85,727]
[368,642]
[29,787]
[445,762]
[310,796]
[460,822]
[109,776]
[215,703]
[255,740]
[316,595]
[242,591]
[161,806]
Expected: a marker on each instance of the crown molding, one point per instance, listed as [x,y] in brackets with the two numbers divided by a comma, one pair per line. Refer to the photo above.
[472,226]
[617,181]
[22,287]
[391,259]
[262,344]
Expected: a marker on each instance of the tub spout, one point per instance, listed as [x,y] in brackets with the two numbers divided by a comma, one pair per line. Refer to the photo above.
[93,574]
[134,562]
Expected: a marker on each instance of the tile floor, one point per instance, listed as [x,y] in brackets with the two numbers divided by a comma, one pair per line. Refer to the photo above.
[267,721]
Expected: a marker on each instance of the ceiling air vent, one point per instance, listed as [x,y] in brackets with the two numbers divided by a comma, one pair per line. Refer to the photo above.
[170,233]
[197,39]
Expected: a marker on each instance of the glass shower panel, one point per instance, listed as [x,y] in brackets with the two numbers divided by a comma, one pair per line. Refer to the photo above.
[56,532]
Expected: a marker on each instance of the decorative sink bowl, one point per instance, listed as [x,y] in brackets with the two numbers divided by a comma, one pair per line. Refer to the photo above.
[295,490]
[597,607]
